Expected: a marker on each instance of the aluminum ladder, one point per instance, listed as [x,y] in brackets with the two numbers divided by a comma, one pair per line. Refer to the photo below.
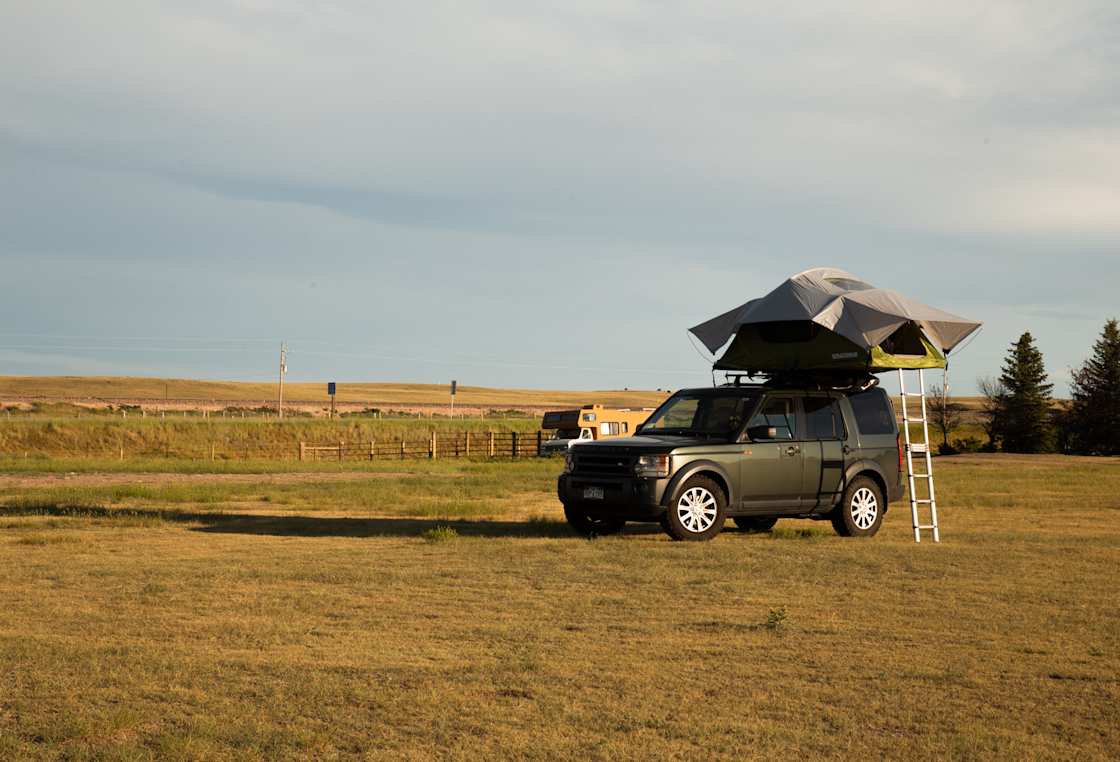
[915,447]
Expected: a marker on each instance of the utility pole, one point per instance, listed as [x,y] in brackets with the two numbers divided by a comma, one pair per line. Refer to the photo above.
[283,370]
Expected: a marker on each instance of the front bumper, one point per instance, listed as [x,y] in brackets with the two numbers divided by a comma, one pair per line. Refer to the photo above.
[629,498]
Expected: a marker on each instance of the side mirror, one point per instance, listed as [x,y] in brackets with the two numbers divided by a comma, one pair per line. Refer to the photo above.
[762,432]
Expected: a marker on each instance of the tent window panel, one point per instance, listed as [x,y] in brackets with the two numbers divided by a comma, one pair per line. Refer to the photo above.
[907,340]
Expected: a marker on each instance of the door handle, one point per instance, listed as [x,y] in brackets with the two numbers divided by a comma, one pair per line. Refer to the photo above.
[793,450]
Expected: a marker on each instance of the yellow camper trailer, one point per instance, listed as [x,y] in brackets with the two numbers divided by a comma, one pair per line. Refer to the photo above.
[588,423]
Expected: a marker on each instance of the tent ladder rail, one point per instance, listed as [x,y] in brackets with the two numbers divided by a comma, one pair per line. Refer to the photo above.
[913,448]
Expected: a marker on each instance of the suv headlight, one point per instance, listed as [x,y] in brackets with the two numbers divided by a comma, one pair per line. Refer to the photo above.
[569,461]
[656,466]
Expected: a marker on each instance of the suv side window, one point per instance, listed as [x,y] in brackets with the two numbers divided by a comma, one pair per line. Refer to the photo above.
[822,418]
[780,413]
[874,414]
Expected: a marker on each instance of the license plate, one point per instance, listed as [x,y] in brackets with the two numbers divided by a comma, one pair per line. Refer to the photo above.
[592,493]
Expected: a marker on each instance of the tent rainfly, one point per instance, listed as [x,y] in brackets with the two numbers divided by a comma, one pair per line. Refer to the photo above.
[829,320]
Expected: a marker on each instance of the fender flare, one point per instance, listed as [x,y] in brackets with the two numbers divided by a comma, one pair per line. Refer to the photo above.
[855,468]
[691,470]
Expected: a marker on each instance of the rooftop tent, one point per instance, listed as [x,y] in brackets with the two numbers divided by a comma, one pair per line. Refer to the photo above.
[826,319]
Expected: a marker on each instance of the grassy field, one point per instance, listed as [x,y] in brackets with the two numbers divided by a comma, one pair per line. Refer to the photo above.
[132,388]
[174,437]
[443,610]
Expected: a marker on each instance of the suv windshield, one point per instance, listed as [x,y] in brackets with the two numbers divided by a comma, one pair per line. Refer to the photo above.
[710,412]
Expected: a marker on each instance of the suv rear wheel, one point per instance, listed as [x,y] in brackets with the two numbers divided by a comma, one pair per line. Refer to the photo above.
[756,523]
[860,513]
[589,525]
[697,511]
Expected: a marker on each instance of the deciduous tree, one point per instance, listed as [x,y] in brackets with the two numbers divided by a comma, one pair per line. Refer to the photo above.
[945,414]
[992,406]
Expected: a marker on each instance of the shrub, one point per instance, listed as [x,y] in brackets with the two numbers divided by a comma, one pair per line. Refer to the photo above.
[441,533]
[966,444]
[776,619]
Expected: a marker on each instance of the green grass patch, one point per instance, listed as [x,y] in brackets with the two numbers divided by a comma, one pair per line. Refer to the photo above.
[441,533]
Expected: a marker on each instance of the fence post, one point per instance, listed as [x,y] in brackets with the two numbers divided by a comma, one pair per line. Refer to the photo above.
[302,447]
[372,448]
[341,445]
[538,442]
[433,446]
[402,446]
[467,440]
[211,452]
[513,446]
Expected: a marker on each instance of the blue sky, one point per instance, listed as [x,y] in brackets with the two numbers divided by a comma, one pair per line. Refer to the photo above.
[540,195]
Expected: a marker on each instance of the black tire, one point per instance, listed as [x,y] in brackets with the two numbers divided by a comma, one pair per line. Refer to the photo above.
[589,525]
[697,510]
[755,523]
[860,513]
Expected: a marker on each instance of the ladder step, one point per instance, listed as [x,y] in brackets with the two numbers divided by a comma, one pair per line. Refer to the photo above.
[913,394]
[914,420]
[923,501]
[922,476]
[918,447]
[926,526]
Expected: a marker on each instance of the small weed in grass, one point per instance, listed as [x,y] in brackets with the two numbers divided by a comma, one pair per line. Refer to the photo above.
[798,533]
[776,619]
[441,533]
[153,588]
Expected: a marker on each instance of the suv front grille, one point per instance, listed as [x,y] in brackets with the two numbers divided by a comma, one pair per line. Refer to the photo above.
[602,463]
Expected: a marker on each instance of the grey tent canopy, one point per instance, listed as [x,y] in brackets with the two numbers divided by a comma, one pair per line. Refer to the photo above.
[830,320]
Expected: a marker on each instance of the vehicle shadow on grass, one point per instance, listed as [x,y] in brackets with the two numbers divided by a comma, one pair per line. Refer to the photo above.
[306,526]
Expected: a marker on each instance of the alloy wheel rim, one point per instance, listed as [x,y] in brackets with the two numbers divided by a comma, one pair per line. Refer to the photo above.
[697,509]
[865,508]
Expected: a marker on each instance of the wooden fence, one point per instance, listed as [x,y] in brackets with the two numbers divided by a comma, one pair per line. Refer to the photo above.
[465,444]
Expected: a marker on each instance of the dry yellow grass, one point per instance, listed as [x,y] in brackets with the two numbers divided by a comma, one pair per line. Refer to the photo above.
[327,621]
[130,388]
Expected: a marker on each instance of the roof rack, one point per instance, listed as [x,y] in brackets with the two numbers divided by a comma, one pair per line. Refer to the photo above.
[822,380]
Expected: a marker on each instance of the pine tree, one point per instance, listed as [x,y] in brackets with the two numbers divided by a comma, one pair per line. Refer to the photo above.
[1095,414]
[1027,420]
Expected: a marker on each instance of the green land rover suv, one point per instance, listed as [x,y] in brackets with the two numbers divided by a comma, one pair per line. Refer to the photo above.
[756,453]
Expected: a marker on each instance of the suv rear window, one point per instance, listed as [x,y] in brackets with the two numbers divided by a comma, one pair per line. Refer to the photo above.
[874,414]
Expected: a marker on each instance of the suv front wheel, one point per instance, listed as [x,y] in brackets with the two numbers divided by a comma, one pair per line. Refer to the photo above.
[697,511]
[860,513]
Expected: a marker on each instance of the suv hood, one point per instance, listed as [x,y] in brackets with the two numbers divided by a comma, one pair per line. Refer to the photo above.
[652,442]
